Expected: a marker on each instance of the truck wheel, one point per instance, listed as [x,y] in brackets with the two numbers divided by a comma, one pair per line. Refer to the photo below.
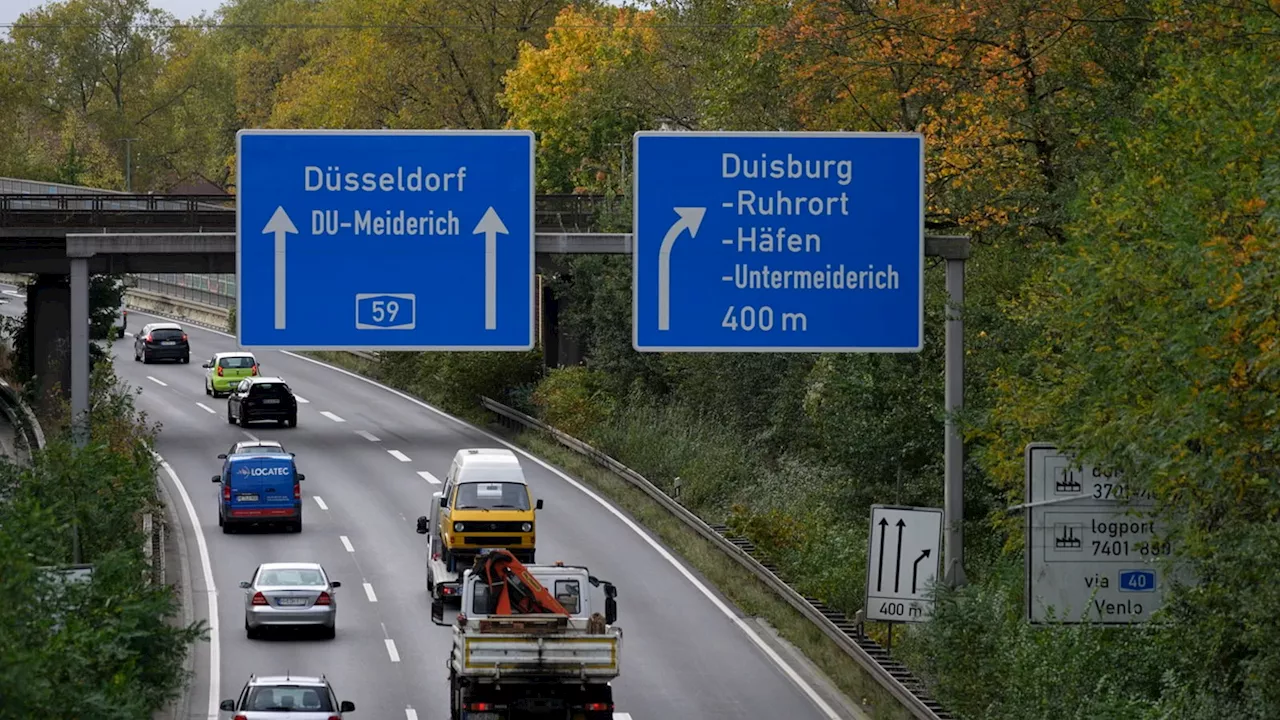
[455,699]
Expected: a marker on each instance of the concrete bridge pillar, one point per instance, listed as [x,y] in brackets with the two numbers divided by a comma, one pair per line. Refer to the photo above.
[558,349]
[49,327]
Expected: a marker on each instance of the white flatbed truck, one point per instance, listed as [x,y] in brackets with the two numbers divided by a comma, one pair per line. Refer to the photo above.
[442,583]
[548,666]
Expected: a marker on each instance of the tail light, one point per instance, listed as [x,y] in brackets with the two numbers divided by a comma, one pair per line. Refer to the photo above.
[259,599]
[240,717]
[479,707]
[335,717]
[297,491]
[597,707]
[219,371]
[184,337]
[323,599]
[254,371]
[226,493]
[148,338]
[124,313]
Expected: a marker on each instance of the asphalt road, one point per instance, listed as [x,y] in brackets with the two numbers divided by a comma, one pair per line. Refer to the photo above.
[372,458]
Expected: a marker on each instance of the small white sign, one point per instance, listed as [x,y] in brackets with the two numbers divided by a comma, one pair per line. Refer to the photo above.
[904,550]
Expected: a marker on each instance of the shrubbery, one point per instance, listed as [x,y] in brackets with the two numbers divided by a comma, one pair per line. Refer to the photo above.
[106,649]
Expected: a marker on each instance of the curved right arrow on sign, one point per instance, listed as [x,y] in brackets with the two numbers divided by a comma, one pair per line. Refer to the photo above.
[690,218]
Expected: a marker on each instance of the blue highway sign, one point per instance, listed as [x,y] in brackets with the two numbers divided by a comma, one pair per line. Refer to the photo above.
[385,239]
[778,242]
[1137,581]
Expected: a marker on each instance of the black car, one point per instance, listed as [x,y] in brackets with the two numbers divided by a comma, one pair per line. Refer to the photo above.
[161,341]
[262,398]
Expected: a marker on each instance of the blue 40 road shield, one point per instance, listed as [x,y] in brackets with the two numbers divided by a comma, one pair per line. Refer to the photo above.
[779,242]
[376,240]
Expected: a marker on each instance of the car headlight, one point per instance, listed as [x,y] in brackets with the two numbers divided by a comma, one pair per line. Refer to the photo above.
[458,527]
[527,527]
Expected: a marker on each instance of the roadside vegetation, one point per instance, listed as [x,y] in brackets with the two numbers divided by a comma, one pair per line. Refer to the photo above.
[1116,163]
[112,647]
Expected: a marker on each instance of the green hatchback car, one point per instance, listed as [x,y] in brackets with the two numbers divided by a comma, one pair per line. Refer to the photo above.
[225,370]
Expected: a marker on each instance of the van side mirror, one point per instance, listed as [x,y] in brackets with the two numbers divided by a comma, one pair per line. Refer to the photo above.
[437,612]
[222,456]
[347,706]
[422,525]
[227,706]
[217,478]
[301,477]
[538,505]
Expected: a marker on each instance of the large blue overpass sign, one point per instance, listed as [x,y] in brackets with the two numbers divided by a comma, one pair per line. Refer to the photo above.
[779,242]
[385,239]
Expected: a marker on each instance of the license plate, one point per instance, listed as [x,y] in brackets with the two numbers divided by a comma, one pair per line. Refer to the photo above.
[168,342]
[291,601]
[247,498]
[271,401]
[482,716]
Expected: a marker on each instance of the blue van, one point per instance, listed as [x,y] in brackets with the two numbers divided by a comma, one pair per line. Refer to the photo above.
[259,489]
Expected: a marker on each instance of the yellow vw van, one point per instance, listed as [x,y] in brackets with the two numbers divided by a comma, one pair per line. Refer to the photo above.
[486,503]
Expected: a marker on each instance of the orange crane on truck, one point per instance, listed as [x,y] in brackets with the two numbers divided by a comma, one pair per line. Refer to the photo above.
[513,590]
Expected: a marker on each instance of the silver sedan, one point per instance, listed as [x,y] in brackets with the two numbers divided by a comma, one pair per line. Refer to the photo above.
[290,594]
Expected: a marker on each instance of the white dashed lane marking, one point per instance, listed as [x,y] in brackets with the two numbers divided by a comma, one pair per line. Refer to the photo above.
[346,543]
[250,435]
[207,409]
[368,591]
[302,400]
[331,416]
[320,502]
[428,477]
[410,714]
[399,456]
[368,435]
[391,650]
[161,383]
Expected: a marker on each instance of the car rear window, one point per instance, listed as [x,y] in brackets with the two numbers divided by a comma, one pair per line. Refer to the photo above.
[268,389]
[236,362]
[166,334]
[289,697]
[290,577]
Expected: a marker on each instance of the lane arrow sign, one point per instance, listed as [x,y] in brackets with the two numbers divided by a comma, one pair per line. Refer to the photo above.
[915,568]
[490,225]
[690,219]
[884,524]
[897,568]
[280,224]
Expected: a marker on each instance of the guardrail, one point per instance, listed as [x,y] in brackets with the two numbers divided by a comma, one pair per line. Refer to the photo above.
[22,418]
[848,635]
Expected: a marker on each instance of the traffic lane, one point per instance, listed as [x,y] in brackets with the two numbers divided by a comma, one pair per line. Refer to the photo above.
[666,610]
[13,302]
[358,659]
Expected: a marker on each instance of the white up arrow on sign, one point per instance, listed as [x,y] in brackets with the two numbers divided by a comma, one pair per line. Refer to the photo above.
[280,224]
[490,225]
[691,218]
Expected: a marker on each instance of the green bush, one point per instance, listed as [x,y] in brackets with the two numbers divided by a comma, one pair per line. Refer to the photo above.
[574,399]
[107,648]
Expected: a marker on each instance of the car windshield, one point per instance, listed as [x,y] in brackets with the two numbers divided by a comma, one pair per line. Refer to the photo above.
[493,496]
[269,389]
[291,576]
[286,698]
[241,362]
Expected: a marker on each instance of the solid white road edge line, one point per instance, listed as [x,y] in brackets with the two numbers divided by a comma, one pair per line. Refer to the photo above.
[428,477]
[368,435]
[399,456]
[346,543]
[368,591]
[161,383]
[320,502]
[331,416]
[215,651]
[207,409]
[391,650]
[751,634]
[755,638]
